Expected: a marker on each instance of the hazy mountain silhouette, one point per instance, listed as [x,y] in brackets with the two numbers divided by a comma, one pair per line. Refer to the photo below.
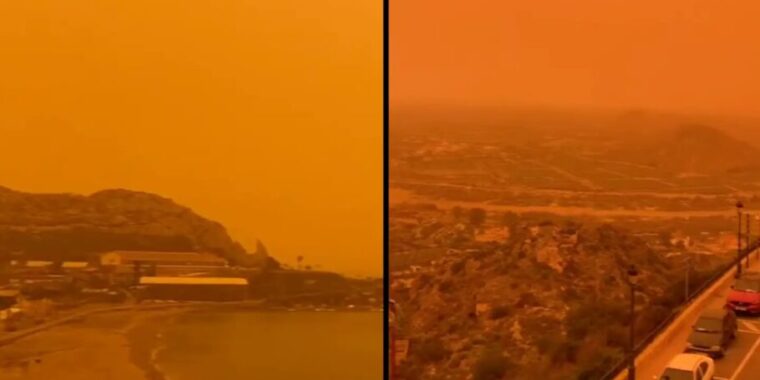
[701,149]
[76,227]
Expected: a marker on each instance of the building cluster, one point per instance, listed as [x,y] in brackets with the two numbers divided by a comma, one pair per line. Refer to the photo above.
[26,285]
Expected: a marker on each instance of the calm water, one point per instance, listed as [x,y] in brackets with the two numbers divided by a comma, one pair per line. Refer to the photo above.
[274,346]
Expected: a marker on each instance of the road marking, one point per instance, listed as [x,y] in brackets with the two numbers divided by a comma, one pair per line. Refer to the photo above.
[745,360]
[756,332]
[750,326]
[751,321]
[720,378]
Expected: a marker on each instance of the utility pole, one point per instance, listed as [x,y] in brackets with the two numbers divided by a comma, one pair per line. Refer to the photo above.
[757,251]
[632,272]
[746,244]
[596,277]
[739,206]
[688,269]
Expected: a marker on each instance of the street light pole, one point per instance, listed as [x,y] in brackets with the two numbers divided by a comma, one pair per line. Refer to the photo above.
[739,206]
[632,272]
[688,269]
[757,251]
[393,321]
[746,244]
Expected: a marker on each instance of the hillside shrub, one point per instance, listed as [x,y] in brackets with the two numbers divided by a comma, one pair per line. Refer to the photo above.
[458,266]
[500,311]
[491,365]
[431,350]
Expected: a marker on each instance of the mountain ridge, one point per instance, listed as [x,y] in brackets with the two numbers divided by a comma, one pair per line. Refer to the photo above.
[70,226]
[699,148]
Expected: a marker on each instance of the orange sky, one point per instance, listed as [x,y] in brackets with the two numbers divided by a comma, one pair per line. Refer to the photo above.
[673,55]
[263,115]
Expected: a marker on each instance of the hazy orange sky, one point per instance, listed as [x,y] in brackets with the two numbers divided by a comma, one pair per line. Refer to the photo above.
[677,55]
[263,115]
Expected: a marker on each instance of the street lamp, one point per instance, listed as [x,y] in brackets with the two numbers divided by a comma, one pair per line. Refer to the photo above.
[747,240]
[686,281]
[392,308]
[739,206]
[757,251]
[632,272]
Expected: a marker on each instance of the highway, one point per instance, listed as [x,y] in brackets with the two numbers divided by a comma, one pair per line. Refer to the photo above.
[742,359]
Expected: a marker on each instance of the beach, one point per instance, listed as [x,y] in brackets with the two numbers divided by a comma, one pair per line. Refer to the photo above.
[198,342]
[108,346]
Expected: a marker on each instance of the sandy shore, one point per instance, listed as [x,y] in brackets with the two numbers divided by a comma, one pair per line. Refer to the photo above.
[109,346]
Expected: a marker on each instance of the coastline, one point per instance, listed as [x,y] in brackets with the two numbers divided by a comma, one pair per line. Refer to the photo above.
[119,345]
[145,342]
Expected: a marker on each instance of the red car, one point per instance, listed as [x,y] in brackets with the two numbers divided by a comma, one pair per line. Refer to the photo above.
[744,296]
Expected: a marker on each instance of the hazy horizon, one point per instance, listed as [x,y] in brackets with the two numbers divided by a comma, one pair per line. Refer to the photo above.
[685,56]
[249,113]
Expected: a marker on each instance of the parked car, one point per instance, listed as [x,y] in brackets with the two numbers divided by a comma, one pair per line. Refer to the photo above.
[713,331]
[744,296]
[689,367]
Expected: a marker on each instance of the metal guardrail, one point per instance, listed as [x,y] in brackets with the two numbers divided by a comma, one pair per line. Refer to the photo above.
[623,363]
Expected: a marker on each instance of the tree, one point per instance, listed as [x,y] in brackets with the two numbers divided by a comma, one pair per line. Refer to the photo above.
[431,350]
[665,237]
[510,218]
[491,365]
[299,259]
[457,212]
[477,216]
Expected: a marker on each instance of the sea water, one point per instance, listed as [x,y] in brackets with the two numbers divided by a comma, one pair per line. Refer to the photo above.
[330,345]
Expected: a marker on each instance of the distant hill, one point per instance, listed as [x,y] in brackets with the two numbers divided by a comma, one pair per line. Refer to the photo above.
[76,227]
[702,149]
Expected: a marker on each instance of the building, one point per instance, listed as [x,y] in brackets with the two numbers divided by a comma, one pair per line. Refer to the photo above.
[194,288]
[74,265]
[8,298]
[153,258]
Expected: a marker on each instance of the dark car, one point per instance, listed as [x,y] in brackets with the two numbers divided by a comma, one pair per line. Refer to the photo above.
[713,331]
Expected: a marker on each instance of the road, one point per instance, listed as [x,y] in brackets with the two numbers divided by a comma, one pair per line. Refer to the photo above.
[400,196]
[742,360]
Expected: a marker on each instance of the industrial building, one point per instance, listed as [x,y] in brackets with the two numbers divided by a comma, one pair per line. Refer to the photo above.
[194,288]
[154,258]
[8,298]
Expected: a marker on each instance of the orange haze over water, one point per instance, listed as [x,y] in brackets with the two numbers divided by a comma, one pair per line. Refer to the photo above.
[676,55]
[263,115]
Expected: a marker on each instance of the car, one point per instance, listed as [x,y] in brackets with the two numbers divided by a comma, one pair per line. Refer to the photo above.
[713,331]
[744,296]
[689,367]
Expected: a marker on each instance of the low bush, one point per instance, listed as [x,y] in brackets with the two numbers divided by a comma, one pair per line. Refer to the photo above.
[431,350]
[491,365]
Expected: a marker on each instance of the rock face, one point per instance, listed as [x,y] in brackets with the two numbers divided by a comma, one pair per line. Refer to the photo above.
[76,227]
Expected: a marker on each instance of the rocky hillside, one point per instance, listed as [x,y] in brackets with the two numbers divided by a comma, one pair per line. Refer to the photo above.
[508,297]
[76,227]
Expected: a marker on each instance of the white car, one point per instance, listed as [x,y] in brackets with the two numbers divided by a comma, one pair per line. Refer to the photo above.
[689,367]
